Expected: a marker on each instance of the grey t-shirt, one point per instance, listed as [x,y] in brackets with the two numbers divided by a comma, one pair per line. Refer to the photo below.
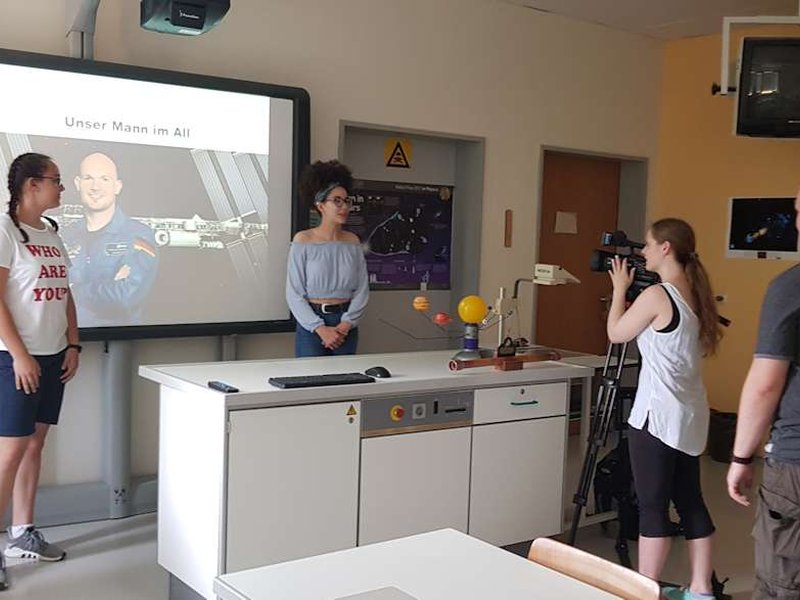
[779,337]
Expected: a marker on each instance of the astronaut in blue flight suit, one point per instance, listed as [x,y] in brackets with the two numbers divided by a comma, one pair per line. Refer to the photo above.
[117,259]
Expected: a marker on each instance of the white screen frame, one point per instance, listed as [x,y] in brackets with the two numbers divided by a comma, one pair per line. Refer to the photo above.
[300,158]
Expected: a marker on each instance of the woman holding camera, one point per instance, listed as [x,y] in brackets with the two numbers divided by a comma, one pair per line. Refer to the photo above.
[675,325]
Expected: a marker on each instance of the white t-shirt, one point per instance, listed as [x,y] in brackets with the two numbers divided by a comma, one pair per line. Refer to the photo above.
[671,397]
[38,285]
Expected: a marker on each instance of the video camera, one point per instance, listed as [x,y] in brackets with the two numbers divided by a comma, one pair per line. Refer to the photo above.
[601,262]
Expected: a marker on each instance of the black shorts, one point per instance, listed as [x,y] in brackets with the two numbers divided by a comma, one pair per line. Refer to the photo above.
[19,412]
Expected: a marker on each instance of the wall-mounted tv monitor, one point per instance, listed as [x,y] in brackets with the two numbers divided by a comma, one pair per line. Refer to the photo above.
[762,228]
[178,206]
[769,88]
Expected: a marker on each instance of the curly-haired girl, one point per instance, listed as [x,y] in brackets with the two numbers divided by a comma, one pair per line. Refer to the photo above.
[327,287]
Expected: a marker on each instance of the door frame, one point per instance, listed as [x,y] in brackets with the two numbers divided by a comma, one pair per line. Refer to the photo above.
[632,214]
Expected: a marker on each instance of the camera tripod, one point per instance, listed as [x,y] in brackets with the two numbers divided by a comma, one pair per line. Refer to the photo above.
[607,412]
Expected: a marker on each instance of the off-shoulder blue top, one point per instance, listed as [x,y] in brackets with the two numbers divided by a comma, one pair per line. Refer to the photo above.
[326,270]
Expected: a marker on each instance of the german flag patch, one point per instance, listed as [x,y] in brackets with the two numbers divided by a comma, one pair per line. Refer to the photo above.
[142,246]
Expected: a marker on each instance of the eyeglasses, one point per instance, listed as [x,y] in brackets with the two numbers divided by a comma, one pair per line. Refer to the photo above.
[56,180]
[340,202]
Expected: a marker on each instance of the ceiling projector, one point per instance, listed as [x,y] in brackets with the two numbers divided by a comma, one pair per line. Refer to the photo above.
[182,17]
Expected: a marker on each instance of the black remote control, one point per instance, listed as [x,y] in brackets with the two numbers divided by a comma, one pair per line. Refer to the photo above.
[222,387]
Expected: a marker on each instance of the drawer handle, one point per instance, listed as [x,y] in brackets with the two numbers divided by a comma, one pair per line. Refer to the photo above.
[528,403]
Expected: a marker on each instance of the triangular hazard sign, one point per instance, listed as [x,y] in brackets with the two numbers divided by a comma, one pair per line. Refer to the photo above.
[351,411]
[398,158]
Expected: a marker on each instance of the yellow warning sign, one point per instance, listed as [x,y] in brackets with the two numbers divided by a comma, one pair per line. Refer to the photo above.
[351,411]
[397,153]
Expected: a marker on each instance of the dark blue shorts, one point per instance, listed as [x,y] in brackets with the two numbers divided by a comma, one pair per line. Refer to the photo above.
[19,412]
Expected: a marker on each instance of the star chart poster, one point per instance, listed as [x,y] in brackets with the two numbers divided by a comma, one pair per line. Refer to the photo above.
[407,232]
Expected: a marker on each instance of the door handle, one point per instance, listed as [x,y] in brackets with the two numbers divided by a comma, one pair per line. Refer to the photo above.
[527,403]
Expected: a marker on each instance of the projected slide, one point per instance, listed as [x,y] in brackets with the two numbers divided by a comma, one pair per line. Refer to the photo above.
[177,206]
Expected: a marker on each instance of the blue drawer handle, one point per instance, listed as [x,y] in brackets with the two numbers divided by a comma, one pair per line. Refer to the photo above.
[528,403]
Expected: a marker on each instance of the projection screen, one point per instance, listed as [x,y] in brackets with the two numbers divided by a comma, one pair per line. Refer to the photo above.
[178,206]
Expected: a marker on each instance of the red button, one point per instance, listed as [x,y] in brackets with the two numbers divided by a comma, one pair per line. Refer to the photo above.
[396,413]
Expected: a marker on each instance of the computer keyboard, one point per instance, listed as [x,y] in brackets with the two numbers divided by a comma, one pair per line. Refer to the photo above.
[300,381]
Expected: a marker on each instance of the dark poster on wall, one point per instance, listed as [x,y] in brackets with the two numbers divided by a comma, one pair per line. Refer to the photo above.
[407,230]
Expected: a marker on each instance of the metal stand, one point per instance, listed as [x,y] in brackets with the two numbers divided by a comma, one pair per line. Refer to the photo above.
[117,383]
[227,349]
[605,411]
[608,411]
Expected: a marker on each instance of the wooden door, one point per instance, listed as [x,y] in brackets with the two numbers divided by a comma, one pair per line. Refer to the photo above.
[573,317]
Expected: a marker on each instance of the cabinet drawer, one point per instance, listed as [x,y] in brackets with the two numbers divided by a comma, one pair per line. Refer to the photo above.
[520,402]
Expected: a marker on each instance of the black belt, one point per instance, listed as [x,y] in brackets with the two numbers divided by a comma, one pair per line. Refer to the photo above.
[328,309]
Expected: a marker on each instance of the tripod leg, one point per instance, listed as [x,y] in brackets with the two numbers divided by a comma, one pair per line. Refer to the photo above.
[718,587]
[625,511]
[622,550]
[606,397]
[590,461]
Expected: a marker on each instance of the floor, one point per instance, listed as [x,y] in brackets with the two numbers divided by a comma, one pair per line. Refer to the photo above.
[733,545]
[117,559]
[113,560]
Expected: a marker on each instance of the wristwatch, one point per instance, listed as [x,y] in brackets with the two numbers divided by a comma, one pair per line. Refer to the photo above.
[741,460]
[77,347]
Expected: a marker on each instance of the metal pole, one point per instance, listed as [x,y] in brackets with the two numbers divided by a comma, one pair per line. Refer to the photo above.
[227,349]
[117,386]
[81,19]
[501,319]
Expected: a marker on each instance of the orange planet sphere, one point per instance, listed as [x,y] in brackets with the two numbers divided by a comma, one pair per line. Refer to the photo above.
[421,303]
[442,319]
[472,309]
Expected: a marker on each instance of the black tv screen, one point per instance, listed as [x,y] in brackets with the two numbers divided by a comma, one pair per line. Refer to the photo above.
[762,228]
[178,206]
[769,88]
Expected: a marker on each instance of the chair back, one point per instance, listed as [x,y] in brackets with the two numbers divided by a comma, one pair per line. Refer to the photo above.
[593,570]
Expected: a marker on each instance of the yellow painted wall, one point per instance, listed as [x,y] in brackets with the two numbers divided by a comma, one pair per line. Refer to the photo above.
[700,165]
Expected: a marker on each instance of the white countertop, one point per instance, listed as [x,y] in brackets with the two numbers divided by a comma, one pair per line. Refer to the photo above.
[440,565]
[412,372]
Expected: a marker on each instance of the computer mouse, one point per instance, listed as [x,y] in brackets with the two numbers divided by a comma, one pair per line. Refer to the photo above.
[379,372]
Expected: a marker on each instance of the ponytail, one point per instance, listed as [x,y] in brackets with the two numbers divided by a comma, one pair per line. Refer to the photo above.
[681,237]
[710,331]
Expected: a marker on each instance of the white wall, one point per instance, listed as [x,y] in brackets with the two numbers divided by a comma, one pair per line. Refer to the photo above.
[486,68]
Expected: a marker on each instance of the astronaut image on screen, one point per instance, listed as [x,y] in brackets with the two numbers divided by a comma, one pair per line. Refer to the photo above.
[114,257]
